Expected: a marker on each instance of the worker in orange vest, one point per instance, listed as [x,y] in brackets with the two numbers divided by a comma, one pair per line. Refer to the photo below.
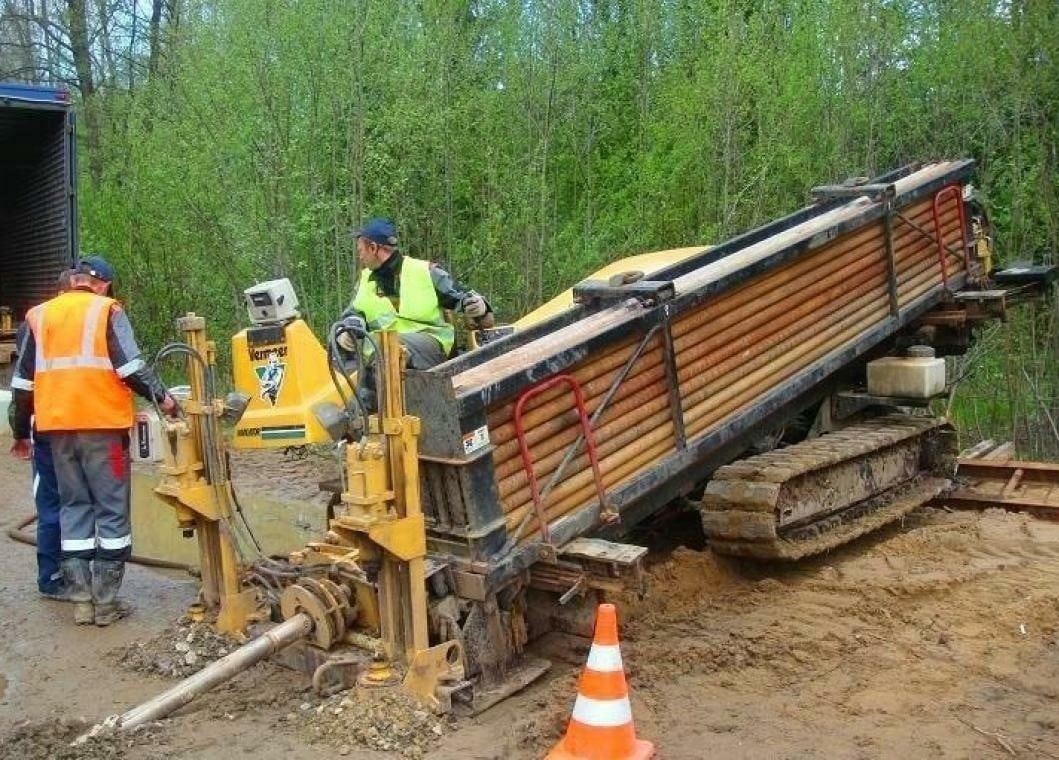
[77,369]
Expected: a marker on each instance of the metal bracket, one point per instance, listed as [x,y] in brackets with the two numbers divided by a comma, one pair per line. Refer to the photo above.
[597,294]
[676,405]
[1021,273]
[847,403]
[876,192]
[436,675]
[891,256]
[336,674]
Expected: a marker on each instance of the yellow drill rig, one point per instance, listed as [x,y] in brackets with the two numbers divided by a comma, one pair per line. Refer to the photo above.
[485,503]
[358,596]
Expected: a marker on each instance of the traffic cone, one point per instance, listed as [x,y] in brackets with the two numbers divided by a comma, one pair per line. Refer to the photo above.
[601,726]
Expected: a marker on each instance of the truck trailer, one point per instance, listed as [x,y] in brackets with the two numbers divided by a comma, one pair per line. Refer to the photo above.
[38,209]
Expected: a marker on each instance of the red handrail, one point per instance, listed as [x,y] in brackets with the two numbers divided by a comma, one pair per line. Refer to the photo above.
[527,458]
[942,251]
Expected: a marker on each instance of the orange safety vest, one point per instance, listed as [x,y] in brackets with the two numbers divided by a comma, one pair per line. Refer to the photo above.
[75,386]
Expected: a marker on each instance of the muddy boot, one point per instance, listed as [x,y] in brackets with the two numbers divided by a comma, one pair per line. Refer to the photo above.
[77,574]
[106,580]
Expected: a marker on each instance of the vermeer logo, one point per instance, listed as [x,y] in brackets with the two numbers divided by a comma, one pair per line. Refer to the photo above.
[270,377]
[257,354]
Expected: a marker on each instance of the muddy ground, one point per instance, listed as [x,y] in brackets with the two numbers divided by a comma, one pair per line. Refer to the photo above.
[935,638]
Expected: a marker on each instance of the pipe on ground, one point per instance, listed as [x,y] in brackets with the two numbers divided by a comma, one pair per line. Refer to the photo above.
[229,666]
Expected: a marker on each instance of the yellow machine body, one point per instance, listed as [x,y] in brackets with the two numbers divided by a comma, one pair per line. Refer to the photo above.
[195,484]
[983,245]
[283,369]
[645,263]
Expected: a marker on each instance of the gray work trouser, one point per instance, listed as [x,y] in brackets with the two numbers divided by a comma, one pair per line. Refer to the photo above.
[424,352]
[93,471]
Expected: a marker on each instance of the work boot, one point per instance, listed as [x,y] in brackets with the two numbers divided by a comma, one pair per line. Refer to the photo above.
[77,575]
[106,580]
[59,592]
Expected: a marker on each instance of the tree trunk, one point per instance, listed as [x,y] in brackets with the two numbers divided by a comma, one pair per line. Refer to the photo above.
[79,45]
[156,26]
[110,71]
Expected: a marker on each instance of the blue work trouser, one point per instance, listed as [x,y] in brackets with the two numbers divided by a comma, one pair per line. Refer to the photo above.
[46,497]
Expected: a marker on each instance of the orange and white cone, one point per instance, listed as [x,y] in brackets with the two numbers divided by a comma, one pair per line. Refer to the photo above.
[601,726]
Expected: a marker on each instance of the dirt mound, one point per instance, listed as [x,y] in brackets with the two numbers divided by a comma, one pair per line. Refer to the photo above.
[183,649]
[51,739]
[544,721]
[689,573]
[389,721]
[683,580]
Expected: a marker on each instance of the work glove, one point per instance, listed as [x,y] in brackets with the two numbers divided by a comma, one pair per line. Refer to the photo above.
[345,342]
[351,323]
[474,306]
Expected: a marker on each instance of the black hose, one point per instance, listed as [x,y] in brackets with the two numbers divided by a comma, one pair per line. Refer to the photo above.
[215,470]
[16,534]
[291,571]
[237,504]
[335,365]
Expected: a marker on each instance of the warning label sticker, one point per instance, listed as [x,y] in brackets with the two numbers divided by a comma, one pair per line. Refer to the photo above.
[475,440]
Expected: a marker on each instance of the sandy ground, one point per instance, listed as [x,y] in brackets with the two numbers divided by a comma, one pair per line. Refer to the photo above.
[936,638]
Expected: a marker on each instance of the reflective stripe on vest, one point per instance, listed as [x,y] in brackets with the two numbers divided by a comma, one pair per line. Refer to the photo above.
[75,384]
[418,309]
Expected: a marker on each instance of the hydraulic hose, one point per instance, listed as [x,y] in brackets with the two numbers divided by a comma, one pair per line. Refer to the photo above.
[17,534]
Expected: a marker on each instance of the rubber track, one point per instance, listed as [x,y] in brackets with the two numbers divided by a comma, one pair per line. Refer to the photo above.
[738,507]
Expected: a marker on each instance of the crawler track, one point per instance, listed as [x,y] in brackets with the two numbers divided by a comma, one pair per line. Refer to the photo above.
[807,498]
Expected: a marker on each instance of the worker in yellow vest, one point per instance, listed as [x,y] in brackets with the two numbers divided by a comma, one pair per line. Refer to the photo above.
[407,295]
[77,368]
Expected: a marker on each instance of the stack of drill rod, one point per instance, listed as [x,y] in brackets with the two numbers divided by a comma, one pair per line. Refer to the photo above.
[742,327]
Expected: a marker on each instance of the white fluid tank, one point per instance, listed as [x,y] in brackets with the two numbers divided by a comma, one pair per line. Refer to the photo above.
[918,375]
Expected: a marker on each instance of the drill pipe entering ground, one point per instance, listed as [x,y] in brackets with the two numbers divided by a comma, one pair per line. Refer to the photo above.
[229,666]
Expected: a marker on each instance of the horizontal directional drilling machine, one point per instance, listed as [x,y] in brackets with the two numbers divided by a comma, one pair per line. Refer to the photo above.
[779,382]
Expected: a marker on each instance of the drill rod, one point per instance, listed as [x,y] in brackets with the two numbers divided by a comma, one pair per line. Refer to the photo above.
[229,666]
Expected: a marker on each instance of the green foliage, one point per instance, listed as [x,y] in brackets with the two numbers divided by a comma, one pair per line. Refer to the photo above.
[525,144]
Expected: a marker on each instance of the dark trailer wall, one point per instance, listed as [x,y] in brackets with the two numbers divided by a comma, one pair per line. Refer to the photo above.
[37,203]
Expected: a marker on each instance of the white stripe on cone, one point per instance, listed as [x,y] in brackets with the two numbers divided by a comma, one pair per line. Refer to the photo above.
[604,658]
[602,713]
